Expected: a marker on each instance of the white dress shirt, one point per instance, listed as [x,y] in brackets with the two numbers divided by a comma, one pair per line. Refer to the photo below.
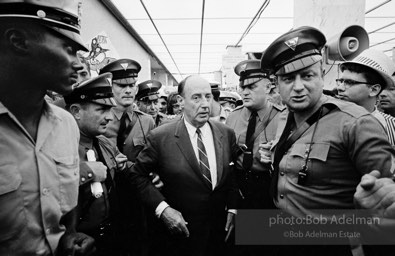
[208,141]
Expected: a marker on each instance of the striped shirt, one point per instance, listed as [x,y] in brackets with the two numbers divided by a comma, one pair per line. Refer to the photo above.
[390,127]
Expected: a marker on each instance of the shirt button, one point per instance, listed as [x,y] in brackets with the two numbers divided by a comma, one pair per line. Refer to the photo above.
[48,231]
[83,179]
[89,175]
[281,196]
[282,173]
[45,191]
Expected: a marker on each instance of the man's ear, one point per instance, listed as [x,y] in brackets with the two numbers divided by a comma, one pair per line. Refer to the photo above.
[17,39]
[75,110]
[374,90]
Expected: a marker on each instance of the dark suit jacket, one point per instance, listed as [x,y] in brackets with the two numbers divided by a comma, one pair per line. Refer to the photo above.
[169,152]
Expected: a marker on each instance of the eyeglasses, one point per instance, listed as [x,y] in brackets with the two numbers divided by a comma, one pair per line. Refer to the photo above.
[350,82]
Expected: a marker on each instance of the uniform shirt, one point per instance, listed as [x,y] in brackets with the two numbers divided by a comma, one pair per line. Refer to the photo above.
[238,121]
[38,181]
[94,210]
[348,143]
[135,141]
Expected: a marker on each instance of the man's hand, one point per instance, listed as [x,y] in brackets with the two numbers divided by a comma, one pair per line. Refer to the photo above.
[230,224]
[265,152]
[76,244]
[121,160]
[155,179]
[378,193]
[99,170]
[174,222]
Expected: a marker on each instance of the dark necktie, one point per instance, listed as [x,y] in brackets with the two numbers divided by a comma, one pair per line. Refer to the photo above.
[203,159]
[248,155]
[122,131]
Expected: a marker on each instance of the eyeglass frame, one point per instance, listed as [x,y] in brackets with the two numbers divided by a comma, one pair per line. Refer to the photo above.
[341,81]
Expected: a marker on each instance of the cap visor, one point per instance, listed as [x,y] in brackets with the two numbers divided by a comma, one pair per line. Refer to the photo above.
[105,101]
[75,37]
[299,64]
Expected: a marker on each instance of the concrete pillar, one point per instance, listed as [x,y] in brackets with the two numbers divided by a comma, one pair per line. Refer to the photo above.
[331,17]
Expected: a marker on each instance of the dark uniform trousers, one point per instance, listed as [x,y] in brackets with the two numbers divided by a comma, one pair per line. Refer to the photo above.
[133,229]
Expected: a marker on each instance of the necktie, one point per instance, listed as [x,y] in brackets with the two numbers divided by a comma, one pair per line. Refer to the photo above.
[121,132]
[248,156]
[203,159]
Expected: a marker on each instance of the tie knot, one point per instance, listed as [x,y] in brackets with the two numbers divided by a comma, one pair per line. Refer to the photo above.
[253,114]
[124,115]
[198,131]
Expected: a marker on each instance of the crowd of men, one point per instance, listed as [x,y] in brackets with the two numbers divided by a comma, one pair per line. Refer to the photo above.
[117,168]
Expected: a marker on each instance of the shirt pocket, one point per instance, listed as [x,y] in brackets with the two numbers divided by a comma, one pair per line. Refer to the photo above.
[316,159]
[12,216]
[67,168]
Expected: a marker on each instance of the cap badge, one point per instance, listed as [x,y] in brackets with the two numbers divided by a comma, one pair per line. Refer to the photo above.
[149,85]
[41,14]
[124,65]
[82,97]
[243,67]
[292,43]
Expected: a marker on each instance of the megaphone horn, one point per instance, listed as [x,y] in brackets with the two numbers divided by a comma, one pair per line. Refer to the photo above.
[347,44]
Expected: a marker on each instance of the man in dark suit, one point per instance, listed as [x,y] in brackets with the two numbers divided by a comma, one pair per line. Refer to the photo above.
[194,158]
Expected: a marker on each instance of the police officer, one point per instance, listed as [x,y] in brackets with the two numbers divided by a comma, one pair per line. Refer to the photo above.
[326,145]
[217,113]
[128,130]
[39,142]
[148,100]
[227,100]
[255,122]
[90,103]
[130,127]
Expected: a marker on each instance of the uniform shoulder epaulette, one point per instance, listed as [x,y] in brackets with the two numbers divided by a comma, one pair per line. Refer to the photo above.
[350,108]
[138,112]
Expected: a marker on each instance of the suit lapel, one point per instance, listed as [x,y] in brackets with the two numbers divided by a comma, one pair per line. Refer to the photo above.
[184,144]
[217,137]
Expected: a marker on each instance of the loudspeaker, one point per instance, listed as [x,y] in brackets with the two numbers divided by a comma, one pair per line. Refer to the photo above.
[254,55]
[347,44]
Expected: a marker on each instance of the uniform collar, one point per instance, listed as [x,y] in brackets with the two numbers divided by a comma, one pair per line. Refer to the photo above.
[262,112]
[86,141]
[48,111]
[119,112]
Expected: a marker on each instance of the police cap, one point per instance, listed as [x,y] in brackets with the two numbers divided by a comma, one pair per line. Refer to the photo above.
[250,72]
[64,17]
[97,90]
[149,90]
[124,71]
[294,50]
[226,96]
